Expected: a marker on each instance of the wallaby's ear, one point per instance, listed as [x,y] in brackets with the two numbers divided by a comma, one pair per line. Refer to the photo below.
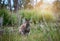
[27,19]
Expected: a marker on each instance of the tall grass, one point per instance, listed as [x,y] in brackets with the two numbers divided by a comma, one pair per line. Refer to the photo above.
[38,15]
[37,33]
[44,31]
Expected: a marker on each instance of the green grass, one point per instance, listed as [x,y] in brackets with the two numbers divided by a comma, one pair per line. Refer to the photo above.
[45,31]
[37,33]
[38,15]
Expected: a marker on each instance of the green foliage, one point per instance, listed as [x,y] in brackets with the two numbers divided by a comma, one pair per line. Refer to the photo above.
[38,15]
[14,19]
[7,17]
[2,12]
[37,33]
[48,16]
[34,15]
[26,14]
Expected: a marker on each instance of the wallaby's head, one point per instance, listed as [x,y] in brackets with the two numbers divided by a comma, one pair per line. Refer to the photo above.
[27,20]
[27,23]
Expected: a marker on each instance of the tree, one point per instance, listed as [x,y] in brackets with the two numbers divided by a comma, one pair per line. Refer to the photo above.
[2,5]
[39,4]
[0,1]
[25,3]
[56,9]
[9,4]
[15,5]
[56,6]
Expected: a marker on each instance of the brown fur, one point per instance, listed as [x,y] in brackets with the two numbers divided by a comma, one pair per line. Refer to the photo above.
[24,28]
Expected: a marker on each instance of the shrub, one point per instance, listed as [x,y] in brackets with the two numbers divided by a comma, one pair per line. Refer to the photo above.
[7,17]
[38,15]
[48,16]
[14,19]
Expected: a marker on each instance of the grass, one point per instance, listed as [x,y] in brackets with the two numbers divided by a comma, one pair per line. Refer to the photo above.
[45,31]
[37,15]
[37,33]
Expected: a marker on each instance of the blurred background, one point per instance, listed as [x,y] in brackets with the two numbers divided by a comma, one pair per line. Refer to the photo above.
[44,16]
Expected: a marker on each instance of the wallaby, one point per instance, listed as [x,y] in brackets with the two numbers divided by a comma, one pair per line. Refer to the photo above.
[24,28]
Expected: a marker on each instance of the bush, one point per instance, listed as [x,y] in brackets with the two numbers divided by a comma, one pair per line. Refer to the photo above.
[14,19]
[7,17]
[48,16]
[26,14]
[37,15]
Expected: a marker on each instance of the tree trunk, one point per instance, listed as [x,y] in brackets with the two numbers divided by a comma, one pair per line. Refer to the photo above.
[9,4]
[15,5]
